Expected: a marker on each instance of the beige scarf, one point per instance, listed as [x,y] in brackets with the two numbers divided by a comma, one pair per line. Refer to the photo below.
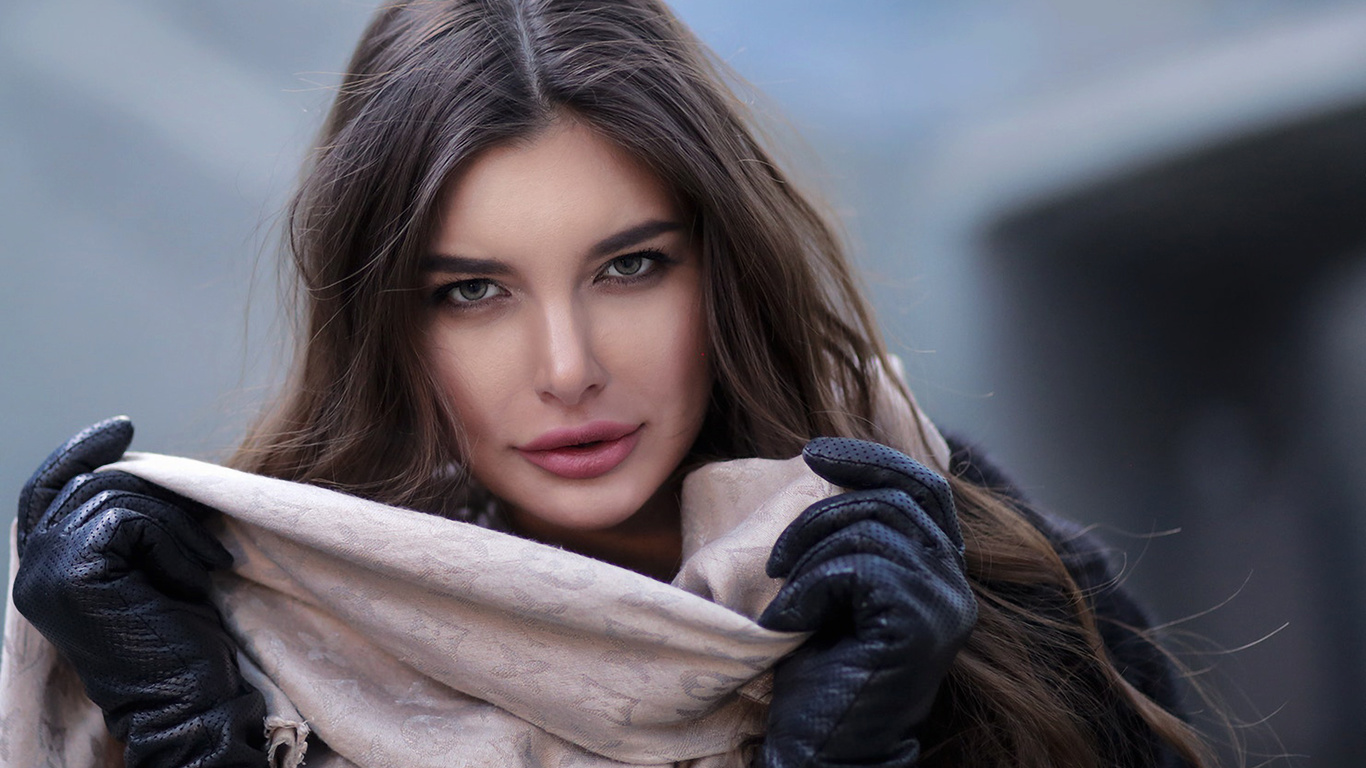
[404,639]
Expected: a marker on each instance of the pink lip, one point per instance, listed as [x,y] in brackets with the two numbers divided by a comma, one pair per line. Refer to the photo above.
[581,453]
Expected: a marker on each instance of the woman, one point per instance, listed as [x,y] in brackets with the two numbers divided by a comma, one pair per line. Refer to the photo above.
[546,270]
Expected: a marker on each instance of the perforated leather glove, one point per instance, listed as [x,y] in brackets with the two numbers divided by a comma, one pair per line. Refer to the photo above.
[114,571]
[877,574]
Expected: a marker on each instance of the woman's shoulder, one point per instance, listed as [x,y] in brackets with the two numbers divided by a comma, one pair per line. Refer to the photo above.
[1124,623]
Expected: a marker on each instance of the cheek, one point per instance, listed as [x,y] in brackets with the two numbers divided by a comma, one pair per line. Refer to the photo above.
[473,378]
[661,350]
[688,365]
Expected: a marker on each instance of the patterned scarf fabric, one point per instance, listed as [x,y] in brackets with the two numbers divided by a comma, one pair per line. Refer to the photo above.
[404,639]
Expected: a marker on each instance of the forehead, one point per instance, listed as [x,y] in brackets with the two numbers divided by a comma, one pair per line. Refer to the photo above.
[566,186]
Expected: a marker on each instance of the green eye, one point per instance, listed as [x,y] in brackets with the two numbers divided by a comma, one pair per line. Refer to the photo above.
[470,291]
[629,265]
[473,290]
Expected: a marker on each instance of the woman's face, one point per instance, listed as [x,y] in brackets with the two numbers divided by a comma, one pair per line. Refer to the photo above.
[566,328]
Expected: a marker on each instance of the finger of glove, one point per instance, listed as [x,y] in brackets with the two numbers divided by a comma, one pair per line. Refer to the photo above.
[84,487]
[830,590]
[92,447]
[138,650]
[151,664]
[936,620]
[871,537]
[880,668]
[807,722]
[788,747]
[813,688]
[73,578]
[879,599]
[843,667]
[121,531]
[229,733]
[81,489]
[859,464]
[890,507]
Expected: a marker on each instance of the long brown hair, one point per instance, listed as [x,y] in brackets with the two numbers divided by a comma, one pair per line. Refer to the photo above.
[795,349]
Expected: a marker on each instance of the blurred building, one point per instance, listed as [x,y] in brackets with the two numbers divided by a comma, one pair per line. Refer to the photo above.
[1176,262]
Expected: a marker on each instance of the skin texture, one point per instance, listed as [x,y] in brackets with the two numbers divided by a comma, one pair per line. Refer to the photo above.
[538,323]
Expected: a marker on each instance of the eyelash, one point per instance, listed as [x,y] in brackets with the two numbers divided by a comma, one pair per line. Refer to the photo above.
[652,260]
[655,258]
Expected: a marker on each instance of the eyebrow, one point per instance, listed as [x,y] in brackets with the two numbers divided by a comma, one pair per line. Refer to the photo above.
[440,262]
[632,236]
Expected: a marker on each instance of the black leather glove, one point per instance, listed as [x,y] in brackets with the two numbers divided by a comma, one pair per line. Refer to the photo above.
[877,574]
[114,571]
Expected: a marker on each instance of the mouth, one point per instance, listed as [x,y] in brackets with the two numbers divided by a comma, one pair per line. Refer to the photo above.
[583,453]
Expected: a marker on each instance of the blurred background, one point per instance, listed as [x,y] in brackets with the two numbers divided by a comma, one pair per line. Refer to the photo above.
[1122,246]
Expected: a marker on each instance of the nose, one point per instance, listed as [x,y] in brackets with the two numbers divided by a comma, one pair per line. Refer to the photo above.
[569,369]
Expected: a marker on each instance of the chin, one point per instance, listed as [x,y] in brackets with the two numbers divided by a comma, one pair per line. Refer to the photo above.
[578,505]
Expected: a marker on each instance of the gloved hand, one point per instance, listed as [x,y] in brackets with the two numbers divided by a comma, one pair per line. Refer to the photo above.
[114,571]
[877,574]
